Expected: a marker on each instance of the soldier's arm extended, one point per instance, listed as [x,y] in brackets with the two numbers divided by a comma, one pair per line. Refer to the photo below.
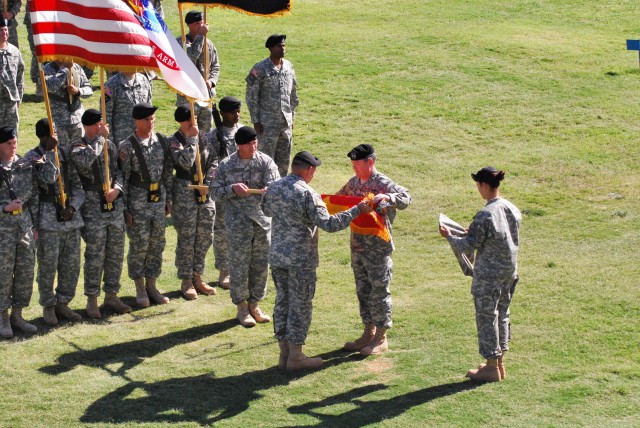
[56,80]
[398,196]
[294,100]
[317,212]
[477,235]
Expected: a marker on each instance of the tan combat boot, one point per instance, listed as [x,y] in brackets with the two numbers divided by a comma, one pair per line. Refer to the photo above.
[501,369]
[18,322]
[93,311]
[113,302]
[202,287]
[486,373]
[378,344]
[62,309]
[223,279]
[245,318]
[257,313]
[156,295]
[5,326]
[142,299]
[298,361]
[187,290]
[284,354]
[362,341]
[49,315]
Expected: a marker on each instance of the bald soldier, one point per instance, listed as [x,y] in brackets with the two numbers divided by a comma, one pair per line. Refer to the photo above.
[193,210]
[297,212]
[18,249]
[241,180]
[272,98]
[147,169]
[102,211]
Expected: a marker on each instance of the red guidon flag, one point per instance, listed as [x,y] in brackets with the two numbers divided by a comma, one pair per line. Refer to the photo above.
[366,224]
[270,8]
[122,35]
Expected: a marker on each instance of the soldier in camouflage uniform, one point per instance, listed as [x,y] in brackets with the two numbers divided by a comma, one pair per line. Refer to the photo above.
[193,210]
[13,8]
[122,92]
[297,211]
[194,44]
[230,111]
[241,180]
[103,231]
[66,107]
[58,226]
[147,168]
[493,235]
[272,98]
[11,79]
[370,254]
[18,249]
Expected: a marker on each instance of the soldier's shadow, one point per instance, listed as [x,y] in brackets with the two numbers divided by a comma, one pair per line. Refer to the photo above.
[130,354]
[372,411]
[202,399]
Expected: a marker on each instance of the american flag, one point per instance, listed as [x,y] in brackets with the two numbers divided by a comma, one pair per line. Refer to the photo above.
[114,34]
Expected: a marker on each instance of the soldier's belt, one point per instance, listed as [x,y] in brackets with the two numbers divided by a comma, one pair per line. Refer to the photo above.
[46,197]
[15,212]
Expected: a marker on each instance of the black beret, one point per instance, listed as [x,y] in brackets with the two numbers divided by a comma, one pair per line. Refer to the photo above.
[488,172]
[193,16]
[91,117]
[229,104]
[182,113]
[7,133]
[42,128]
[305,156]
[142,111]
[245,135]
[4,23]
[362,151]
[275,39]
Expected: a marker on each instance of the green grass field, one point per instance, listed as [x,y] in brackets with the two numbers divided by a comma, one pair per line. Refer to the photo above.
[542,89]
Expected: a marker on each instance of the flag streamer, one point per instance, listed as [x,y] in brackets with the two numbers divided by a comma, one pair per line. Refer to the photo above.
[365,224]
[268,8]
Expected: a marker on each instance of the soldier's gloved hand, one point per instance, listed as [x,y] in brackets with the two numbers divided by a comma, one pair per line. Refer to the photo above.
[51,143]
[67,213]
[364,207]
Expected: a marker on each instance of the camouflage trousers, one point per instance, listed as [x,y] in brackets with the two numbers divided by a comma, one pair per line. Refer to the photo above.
[195,235]
[372,272]
[17,260]
[293,308]
[9,113]
[69,133]
[146,242]
[276,142]
[493,317]
[58,252]
[249,261]
[220,239]
[103,257]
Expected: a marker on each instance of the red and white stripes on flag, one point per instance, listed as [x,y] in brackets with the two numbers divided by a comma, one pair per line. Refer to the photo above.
[111,34]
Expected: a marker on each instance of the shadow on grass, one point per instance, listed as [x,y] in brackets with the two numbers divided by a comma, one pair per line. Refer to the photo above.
[201,399]
[132,353]
[369,412]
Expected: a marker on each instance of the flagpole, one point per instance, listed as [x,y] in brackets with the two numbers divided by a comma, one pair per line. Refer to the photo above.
[199,175]
[106,186]
[183,38]
[45,92]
